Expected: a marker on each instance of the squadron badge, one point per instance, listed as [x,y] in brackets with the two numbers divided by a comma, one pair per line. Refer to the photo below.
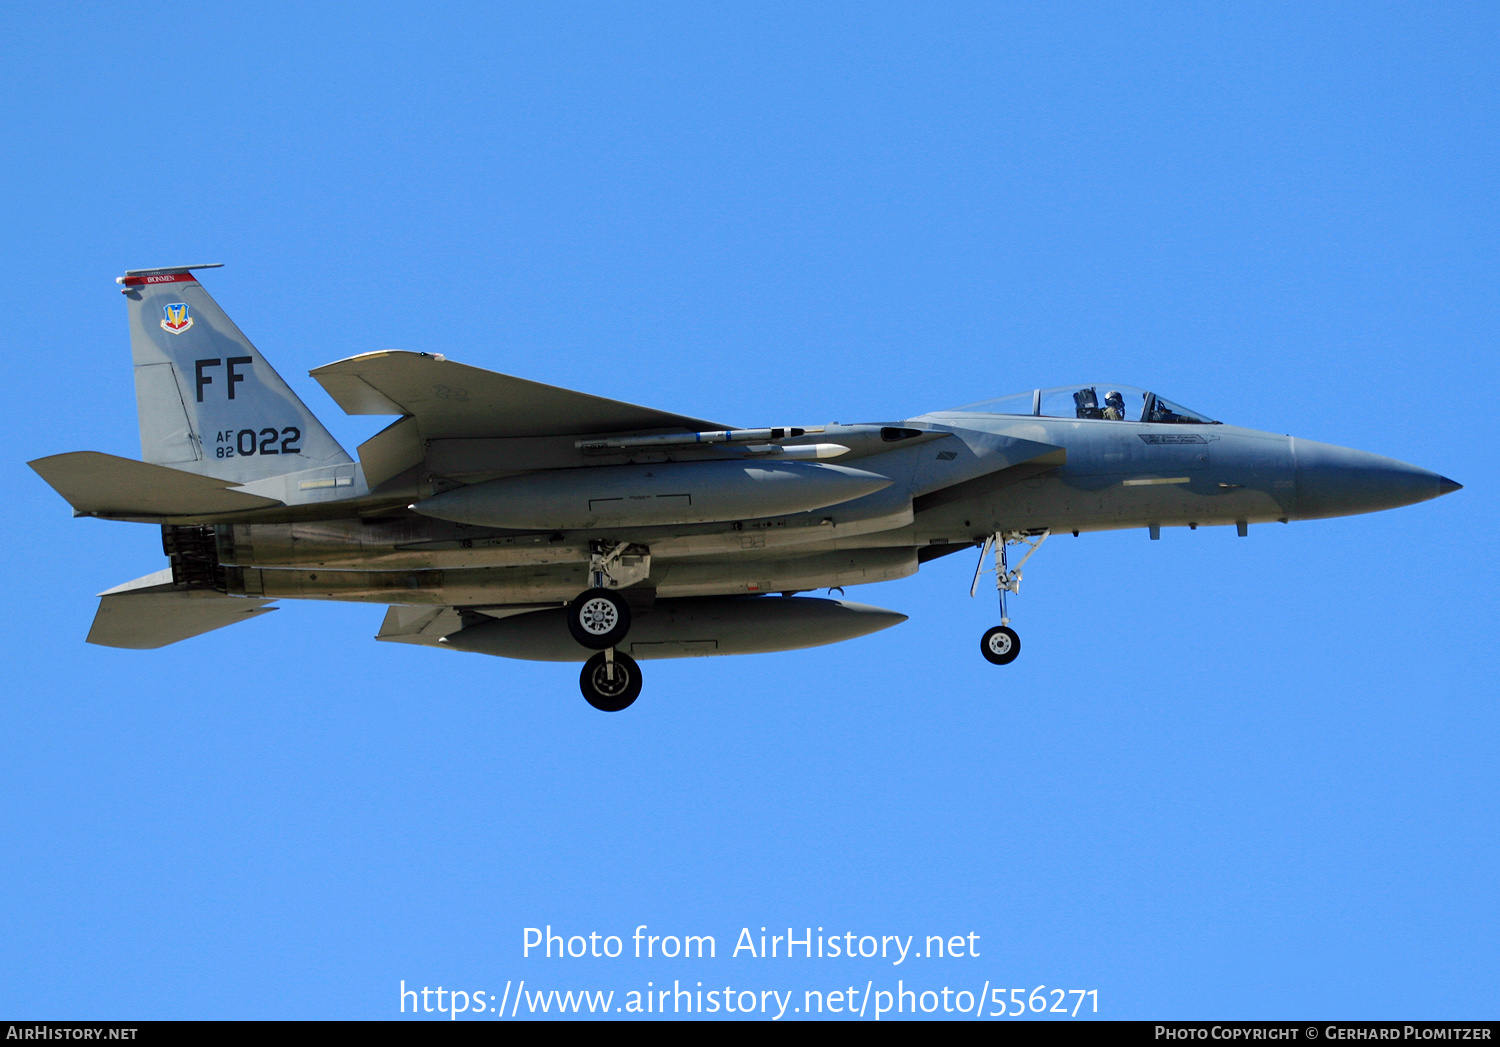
[177,319]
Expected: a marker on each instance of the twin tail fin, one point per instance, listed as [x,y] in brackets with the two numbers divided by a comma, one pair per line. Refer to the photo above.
[208,402]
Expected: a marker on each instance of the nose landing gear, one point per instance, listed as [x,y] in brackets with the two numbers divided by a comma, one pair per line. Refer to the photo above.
[1001,645]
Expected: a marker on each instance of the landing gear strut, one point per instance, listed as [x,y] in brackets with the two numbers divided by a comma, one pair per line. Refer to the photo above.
[598,617]
[610,681]
[1001,645]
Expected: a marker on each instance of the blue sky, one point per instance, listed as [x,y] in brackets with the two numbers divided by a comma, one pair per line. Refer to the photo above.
[1226,779]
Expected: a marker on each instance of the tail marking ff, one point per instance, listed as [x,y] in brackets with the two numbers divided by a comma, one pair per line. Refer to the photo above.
[208,402]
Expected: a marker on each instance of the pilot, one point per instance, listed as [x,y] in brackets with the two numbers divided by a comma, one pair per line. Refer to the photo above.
[1114,406]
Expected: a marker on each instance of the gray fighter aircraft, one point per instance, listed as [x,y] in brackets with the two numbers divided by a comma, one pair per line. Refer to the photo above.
[511,518]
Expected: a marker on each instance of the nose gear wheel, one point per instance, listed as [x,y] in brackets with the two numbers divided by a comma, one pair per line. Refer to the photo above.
[1000,645]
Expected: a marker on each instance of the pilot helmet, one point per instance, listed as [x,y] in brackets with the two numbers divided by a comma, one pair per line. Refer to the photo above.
[1114,397]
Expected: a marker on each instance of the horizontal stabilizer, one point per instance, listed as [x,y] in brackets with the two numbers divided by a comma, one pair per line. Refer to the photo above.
[455,401]
[103,485]
[152,612]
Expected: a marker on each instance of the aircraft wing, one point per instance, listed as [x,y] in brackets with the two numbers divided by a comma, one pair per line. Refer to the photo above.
[428,625]
[455,401]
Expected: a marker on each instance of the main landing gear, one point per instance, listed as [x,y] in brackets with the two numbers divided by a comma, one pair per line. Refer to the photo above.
[599,618]
[610,681]
[1001,645]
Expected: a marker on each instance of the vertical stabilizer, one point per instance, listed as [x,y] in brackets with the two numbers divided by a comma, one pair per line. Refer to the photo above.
[208,401]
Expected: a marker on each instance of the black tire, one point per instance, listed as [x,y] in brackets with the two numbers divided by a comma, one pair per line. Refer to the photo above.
[598,619]
[610,693]
[1000,645]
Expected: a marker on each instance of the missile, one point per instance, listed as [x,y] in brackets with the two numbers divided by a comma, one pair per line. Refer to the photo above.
[686,628]
[797,450]
[718,436]
[651,495]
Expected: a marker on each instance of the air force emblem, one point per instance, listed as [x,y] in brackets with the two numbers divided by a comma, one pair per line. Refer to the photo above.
[177,319]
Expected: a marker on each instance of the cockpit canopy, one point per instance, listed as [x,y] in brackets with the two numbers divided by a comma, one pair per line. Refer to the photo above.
[1117,403]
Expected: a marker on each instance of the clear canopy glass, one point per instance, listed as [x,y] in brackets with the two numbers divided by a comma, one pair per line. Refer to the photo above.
[1109,403]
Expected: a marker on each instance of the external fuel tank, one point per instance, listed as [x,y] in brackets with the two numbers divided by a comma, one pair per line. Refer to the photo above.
[651,495]
[686,628]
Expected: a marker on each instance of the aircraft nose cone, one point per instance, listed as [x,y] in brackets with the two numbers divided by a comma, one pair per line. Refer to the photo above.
[1340,481]
[1447,486]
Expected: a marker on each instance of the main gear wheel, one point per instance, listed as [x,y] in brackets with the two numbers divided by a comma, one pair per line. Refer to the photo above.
[598,619]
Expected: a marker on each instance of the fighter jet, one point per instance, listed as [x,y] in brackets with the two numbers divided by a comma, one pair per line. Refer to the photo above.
[506,517]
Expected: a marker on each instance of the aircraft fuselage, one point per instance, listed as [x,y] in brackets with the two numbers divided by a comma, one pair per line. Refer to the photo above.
[952,485]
